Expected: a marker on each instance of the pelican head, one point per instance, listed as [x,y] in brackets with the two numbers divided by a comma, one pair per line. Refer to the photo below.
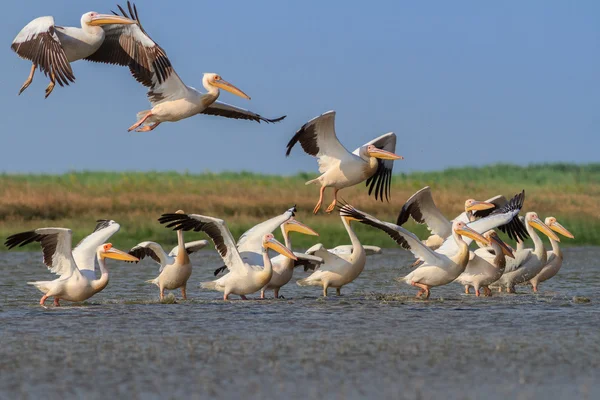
[293,225]
[556,227]
[462,229]
[493,237]
[108,251]
[93,18]
[532,219]
[373,151]
[211,80]
[269,242]
[474,205]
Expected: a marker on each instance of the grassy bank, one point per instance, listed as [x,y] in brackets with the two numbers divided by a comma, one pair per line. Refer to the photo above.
[75,200]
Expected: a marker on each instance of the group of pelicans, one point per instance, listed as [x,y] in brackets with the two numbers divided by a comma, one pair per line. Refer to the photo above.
[441,259]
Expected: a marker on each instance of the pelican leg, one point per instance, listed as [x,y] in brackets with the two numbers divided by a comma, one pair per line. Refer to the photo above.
[183,293]
[338,291]
[510,289]
[276,293]
[500,289]
[316,209]
[467,289]
[225,296]
[42,300]
[325,290]
[421,286]
[50,87]
[140,122]
[29,79]
[486,291]
[477,293]
[535,289]
[243,297]
[162,294]
[56,303]
[333,203]
[148,128]
[262,294]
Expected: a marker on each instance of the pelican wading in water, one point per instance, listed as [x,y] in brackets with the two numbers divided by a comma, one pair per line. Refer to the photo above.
[52,48]
[72,284]
[339,168]
[243,277]
[175,267]
[554,257]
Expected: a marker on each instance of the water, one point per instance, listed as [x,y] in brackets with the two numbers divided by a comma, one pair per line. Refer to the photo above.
[375,340]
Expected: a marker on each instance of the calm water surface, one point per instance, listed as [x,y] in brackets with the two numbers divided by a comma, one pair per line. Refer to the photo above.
[375,340]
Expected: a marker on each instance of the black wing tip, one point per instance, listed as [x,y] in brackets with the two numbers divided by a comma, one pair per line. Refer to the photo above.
[220,269]
[20,239]
[272,121]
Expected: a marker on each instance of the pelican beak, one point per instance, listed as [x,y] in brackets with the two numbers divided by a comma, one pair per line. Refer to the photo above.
[107,19]
[556,227]
[480,205]
[274,244]
[120,255]
[296,226]
[506,249]
[542,227]
[470,233]
[384,155]
[220,83]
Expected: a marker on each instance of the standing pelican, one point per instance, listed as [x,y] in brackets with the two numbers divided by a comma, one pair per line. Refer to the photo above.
[339,168]
[52,48]
[71,285]
[243,278]
[528,262]
[486,265]
[554,257]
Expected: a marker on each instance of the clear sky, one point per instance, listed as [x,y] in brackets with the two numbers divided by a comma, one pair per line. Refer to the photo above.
[460,82]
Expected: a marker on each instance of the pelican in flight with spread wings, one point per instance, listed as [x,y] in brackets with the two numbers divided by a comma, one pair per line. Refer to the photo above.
[52,48]
[175,267]
[72,284]
[243,277]
[171,99]
[339,168]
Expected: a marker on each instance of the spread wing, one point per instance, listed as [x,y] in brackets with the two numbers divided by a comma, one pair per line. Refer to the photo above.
[421,207]
[229,111]
[84,253]
[381,181]
[152,250]
[498,201]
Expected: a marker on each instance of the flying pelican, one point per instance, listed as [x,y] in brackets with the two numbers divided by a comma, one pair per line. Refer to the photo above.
[554,257]
[337,270]
[528,262]
[71,285]
[339,168]
[421,207]
[243,278]
[175,267]
[52,48]
[171,99]
[486,265]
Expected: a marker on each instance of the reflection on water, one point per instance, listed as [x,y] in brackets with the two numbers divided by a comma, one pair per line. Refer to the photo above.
[375,340]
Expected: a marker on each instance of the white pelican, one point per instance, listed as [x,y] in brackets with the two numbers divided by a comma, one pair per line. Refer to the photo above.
[554,256]
[337,270]
[339,168]
[175,267]
[243,278]
[52,48]
[421,207]
[171,99]
[486,265]
[71,285]
[528,262]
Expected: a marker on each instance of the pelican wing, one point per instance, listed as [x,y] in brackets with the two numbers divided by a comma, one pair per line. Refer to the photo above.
[152,250]
[381,181]
[347,249]
[522,257]
[190,247]
[228,111]
[56,247]
[84,253]
[421,207]
[217,231]
[39,43]
[309,262]
[403,237]
[317,138]
[498,201]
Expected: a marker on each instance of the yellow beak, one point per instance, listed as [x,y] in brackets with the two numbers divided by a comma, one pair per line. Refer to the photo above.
[470,233]
[274,244]
[506,250]
[107,19]
[384,155]
[120,255]
[220,83]
[542,227]
[296,226]
[480,205]
[562,230]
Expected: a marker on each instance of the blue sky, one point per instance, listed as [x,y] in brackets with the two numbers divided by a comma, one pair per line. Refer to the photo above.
[461,83]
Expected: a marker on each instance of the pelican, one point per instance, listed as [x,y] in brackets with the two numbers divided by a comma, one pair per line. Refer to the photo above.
[554,257]
[243,278]
[528,262]
[71,285]
[171,99]
[421,207]
[337,270]
[339,168]
[486,265]
[346,249]
[52,48]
